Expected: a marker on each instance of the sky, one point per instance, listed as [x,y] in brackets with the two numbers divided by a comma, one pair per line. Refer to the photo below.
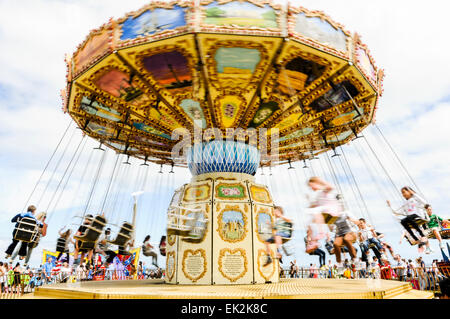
[406,38]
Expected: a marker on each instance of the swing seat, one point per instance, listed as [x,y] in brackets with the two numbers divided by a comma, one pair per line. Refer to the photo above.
[288,249]
[196,235]
[93,230]
[86,245]
[444,268]
[61,245]
[25,229]
[287,230]
[420,221]
[329,218]
[191,227]
[265,235]
[197,227]
[329,247]
[35,240]
[444,231]
[445,234]
[176,224]
[124,235]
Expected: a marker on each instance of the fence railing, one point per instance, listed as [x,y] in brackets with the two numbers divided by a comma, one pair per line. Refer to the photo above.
[420,278]
[427,278]
[16,285]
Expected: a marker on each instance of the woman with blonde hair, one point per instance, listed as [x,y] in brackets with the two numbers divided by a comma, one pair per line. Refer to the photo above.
[62,243]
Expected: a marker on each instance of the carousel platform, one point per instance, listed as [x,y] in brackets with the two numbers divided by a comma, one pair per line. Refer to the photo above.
[285,289]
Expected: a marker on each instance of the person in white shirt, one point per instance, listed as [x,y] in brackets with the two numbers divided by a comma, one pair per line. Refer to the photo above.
[400,268]
[368,236]
[325,200]
[104,246]
[148,250]
[413,208]
[65,271]
[328,202]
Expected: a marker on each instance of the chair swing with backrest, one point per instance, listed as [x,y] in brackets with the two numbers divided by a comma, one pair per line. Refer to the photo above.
[189,223]
[26,229]
[93,231]
[266,231]
[186,222]
[286,228]
[124,235]
[61,244]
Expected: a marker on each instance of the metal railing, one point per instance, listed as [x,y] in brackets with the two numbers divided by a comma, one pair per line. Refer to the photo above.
[16,285]
[420,278]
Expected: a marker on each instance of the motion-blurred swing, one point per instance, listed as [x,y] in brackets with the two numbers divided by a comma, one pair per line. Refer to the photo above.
[26,229]
[189,223]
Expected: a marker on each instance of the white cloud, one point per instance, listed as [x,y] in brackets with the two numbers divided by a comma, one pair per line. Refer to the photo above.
[404,39]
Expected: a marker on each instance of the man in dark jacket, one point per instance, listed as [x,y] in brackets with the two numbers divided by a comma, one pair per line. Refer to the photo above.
[16,219]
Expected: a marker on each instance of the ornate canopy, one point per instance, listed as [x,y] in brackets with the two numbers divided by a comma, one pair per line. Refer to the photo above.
[222,64]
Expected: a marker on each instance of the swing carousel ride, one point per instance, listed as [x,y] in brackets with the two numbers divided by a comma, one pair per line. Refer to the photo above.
[237,86]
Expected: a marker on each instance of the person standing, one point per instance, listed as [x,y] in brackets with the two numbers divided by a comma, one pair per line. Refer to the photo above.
[400,268]
[2,278]
[17,279]
[47,269]
[66,272]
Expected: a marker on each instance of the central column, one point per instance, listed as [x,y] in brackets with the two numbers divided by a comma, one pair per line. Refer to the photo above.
[223,189]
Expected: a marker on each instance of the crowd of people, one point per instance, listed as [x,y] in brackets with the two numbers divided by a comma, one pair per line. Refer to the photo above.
[331,225]
[99,261]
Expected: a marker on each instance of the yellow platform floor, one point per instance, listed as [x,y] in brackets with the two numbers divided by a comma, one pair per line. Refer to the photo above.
[286,289]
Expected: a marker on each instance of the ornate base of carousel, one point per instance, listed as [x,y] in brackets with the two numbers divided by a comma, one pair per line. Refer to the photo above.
[229,247]
[284,289]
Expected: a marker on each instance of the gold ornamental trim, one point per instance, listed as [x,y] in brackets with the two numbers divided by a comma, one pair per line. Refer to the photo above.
[242,253]
[261,253]
[263,210]
[194,253]
[244,191]
[171,239]
[170,254]
[188,198]
[205,209]
[257,198]
[221,225]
